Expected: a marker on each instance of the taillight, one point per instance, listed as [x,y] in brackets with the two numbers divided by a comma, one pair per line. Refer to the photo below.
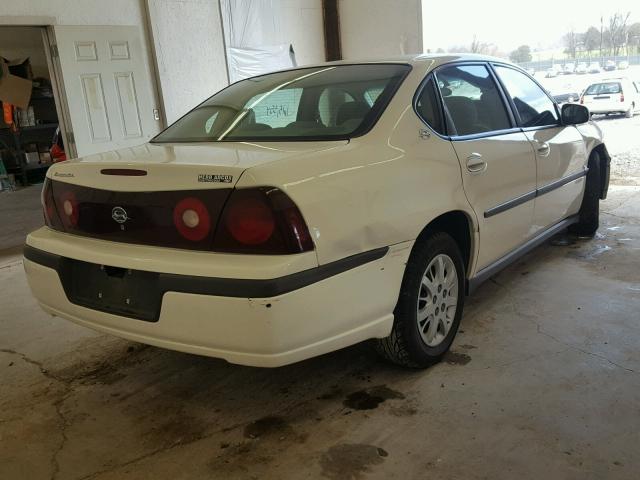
[51,218]
[582,100]
[263,221]
[250,221]
[192,219]
[68,208]
[621,96]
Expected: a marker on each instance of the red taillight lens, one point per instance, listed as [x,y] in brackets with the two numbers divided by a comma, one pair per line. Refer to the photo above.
[582,100]
[192,219]
[51,218]
[263,221]
[621,97]
[250,221]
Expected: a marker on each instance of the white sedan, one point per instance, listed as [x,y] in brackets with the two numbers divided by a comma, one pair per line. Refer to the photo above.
[299,212]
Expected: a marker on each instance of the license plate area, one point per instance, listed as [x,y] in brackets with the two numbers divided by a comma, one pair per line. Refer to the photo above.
[119,291]
[602,97]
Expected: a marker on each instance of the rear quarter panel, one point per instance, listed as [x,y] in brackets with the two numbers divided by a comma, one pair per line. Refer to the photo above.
[381,189]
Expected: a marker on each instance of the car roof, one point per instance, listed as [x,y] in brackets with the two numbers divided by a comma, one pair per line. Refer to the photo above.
[422,59]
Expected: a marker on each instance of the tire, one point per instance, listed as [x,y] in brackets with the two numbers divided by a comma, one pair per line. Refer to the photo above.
[629,113]
[590,208]
[406,345]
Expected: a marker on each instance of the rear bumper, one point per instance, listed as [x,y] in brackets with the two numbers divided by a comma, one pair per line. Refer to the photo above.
[607,107]
[286,322]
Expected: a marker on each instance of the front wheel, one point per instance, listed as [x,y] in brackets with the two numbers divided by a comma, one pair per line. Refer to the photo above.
[430,304]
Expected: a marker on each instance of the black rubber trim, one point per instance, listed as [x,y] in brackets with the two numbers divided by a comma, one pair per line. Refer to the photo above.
[503,207]
[559,183]
[232,287]
[512,256]
[42,258]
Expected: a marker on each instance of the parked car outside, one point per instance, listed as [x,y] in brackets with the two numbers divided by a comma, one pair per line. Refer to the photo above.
[582,68]
[615,95]
[569,68]
[609,66]
[594,67]
[553,72]
[623,65]
[298,212]
[568,97]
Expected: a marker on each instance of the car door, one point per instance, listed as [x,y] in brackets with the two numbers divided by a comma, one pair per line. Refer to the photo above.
[497,162]
[561,157]
[110,96]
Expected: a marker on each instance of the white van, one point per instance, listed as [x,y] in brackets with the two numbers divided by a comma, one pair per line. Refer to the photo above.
[615,95]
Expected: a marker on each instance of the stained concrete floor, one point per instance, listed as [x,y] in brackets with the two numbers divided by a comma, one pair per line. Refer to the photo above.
[543,382]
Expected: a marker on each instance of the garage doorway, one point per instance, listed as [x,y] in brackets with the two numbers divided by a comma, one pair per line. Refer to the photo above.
[90,84]
[28,135]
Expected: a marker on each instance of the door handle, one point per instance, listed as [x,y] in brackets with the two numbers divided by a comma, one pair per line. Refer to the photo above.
[475,164]
[543,149]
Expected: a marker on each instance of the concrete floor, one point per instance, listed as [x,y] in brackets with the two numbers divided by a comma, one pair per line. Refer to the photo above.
[543,381]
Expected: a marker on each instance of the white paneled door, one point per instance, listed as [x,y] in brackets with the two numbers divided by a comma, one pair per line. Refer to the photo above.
[110,97]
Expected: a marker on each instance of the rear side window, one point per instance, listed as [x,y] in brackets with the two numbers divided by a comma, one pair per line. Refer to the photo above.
[428,108]
[471,99]
[534,106]
[603,88]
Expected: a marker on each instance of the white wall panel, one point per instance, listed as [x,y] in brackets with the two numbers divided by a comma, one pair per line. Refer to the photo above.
[188,42]
[378,28]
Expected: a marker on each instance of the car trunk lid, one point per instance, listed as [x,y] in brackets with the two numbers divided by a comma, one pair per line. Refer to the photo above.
[146,195]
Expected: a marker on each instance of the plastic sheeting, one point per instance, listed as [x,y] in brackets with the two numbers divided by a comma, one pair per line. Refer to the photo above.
[249,62]
[253,34]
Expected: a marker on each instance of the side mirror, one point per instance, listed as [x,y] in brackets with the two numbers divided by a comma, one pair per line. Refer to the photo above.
[574,114]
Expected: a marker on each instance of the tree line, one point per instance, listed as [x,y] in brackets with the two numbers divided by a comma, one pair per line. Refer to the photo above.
[613,35]
[610,38]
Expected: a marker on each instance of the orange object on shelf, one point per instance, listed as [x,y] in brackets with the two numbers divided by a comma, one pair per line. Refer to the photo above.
[7,112]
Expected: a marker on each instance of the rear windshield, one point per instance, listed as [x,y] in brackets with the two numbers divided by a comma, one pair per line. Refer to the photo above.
[603,88]
[320,103]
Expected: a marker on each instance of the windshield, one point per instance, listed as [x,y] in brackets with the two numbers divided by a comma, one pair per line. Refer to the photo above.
[320,103]
[603,88]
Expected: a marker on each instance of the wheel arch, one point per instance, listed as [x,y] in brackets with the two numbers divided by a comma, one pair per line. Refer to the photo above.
[605,161]
[460,226]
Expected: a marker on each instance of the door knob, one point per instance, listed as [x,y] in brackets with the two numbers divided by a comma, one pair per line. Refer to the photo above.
[475,164]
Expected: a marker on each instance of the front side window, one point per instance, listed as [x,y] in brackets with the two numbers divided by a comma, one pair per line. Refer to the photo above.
[320,103]
[472,100]
[534,106]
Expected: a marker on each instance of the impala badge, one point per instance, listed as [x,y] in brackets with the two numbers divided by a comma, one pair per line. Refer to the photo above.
[119,214]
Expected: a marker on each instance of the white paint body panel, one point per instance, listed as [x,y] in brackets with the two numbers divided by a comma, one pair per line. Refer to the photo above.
[510,173]
[246,331]
[378,190]
[567,155]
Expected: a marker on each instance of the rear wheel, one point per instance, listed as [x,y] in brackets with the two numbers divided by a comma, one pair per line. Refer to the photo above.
[430,305]
[590,208]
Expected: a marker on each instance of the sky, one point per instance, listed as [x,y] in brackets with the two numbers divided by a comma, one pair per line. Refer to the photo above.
[508,24]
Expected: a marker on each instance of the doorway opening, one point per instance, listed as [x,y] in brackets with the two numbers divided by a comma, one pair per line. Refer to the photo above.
[31,138]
